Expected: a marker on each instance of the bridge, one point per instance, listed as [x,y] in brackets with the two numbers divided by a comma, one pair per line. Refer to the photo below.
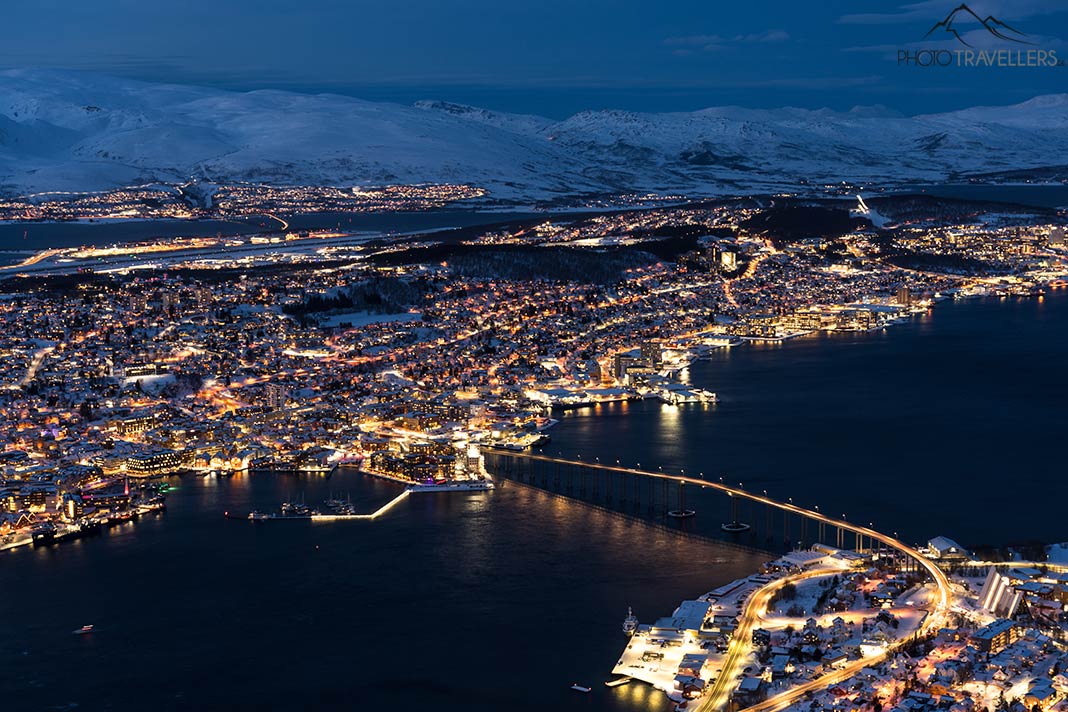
[562,473]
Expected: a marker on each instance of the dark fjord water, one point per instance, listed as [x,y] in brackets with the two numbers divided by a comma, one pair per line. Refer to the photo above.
[952,424]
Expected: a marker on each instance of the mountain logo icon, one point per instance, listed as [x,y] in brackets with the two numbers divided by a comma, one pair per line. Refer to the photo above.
[993,25]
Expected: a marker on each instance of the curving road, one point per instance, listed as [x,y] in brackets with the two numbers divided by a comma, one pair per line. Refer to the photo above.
[932,621]
[740,643]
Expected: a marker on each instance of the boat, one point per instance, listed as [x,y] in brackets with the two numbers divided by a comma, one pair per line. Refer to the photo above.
[43,534]
[618,681]
[260,516]
[580,688]
[84,630]
[735,527]
[682,513]
[295,509]
[480,485]
[630,623]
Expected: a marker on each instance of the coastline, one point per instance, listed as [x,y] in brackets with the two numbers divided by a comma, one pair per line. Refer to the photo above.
[663,429]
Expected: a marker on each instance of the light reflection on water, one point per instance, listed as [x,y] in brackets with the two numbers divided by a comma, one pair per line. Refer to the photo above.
[920,428]
[477,601]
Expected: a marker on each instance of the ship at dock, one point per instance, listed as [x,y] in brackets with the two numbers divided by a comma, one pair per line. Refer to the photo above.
[472,485]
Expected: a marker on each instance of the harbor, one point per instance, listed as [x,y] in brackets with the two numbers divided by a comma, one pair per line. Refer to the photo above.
[338,511]
[335,509]
[87,516]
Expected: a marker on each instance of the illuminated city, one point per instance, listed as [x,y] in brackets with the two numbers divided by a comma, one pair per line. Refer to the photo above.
[655,408]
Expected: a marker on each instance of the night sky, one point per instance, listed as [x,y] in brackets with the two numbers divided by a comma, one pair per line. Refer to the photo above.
[552,57]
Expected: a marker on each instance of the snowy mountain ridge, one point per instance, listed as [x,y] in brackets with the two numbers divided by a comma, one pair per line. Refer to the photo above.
[66,131]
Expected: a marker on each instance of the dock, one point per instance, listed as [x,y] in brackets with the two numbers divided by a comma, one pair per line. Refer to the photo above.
[315,516]
[373,515]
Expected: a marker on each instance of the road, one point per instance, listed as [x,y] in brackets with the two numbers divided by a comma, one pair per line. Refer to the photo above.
[35,364]
[1049,566]
[741,641]
[933,621]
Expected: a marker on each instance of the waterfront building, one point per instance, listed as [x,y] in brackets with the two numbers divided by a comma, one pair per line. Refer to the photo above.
[159,462]
[652,354]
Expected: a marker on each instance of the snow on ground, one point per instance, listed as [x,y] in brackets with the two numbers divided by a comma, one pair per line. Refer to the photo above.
[81,131]
[808,593]
[1058,553]
[362,318]
[150,384]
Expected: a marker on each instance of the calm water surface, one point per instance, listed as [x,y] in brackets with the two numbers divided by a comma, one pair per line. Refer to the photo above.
[478,601]
[952,424]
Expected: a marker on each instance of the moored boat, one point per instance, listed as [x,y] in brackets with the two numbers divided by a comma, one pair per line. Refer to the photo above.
[630,623]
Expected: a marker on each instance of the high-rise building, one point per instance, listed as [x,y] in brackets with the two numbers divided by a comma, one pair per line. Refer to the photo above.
[1056,237]
[622,362]
[652,354]
[169,301]
[276,395]
[994,637]
[904,296]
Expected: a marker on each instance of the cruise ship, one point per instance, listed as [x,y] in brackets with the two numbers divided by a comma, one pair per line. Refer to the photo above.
[474,485]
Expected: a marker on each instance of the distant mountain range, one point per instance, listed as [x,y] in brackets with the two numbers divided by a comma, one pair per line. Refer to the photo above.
[65,131]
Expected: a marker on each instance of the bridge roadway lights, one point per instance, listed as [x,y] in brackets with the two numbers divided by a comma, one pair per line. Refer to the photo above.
[911,556]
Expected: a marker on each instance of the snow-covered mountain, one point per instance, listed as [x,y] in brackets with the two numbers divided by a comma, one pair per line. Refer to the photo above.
[69,131]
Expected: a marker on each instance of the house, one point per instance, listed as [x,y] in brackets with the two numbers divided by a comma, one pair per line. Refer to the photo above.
[750,691]
[835,657]
[946,549]
[1041,694]
[780,666]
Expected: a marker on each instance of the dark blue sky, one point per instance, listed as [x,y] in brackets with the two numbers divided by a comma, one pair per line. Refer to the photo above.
[552,57]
